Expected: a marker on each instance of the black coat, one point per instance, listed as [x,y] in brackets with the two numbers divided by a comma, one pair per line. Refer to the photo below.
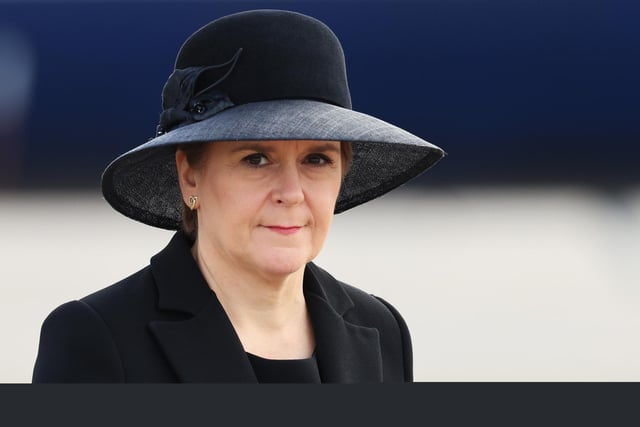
[164,324]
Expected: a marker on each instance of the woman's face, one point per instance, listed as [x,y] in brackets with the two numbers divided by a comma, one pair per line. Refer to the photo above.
[267,206]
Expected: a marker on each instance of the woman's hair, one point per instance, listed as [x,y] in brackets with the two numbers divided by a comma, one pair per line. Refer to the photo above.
[196,155]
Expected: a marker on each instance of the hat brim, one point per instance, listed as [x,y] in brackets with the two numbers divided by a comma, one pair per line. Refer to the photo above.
[142,183]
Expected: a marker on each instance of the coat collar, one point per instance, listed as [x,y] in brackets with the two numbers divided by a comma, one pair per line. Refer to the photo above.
[205,347]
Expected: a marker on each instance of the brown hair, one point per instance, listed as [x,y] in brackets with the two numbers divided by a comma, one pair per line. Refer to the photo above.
[196,155]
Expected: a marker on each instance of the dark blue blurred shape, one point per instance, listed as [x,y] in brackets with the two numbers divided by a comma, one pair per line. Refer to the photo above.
[540,92]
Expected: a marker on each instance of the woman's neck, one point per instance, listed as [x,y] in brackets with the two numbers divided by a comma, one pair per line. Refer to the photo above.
[268,312]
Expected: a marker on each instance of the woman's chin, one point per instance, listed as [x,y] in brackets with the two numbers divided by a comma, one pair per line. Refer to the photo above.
[282,265]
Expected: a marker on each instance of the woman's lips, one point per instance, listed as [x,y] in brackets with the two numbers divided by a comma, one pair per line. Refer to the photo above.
[282,229]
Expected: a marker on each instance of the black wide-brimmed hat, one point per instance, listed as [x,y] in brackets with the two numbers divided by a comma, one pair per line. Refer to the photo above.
[261,75]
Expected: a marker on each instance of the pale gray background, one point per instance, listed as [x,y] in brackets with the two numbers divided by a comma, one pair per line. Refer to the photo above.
[518,284]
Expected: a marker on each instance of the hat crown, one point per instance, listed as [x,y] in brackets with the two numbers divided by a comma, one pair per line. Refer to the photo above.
[284,55]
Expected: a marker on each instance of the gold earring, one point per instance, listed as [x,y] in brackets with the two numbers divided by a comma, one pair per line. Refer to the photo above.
[192,202]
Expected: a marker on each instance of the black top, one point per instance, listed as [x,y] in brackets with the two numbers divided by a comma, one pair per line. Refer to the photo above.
[284,370]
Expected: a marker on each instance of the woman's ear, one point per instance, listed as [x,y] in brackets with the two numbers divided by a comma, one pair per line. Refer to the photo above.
[186,176]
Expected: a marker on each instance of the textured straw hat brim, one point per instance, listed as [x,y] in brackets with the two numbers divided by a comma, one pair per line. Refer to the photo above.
[142,183]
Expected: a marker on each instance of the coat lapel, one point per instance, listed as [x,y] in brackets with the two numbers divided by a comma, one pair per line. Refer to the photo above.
[206,348]
[346,353]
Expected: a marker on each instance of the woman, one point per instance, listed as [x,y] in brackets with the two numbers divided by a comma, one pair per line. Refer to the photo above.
[256,149]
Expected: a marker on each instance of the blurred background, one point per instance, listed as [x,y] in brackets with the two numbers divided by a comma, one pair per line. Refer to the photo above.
[514,259]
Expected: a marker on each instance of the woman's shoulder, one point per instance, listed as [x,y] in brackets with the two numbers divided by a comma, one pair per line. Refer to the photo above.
[133,289]
[369,307]
[85,340]
[363,309]
[126,298]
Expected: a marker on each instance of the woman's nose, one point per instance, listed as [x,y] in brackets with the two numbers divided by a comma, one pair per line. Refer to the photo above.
[288,186]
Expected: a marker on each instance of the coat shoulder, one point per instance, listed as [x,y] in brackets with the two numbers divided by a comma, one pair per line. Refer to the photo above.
[76,346]
[78,341]
[368,310]
[102,337]
[136,289]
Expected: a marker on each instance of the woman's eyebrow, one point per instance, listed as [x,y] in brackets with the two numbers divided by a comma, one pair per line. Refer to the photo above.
[268,148]
[248,146]
[323,147]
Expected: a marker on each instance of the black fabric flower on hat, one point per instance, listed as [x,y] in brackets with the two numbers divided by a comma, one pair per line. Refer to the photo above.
[182,106]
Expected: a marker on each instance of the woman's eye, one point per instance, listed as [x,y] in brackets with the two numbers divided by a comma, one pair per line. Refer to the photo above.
[257,159]
[318,159]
